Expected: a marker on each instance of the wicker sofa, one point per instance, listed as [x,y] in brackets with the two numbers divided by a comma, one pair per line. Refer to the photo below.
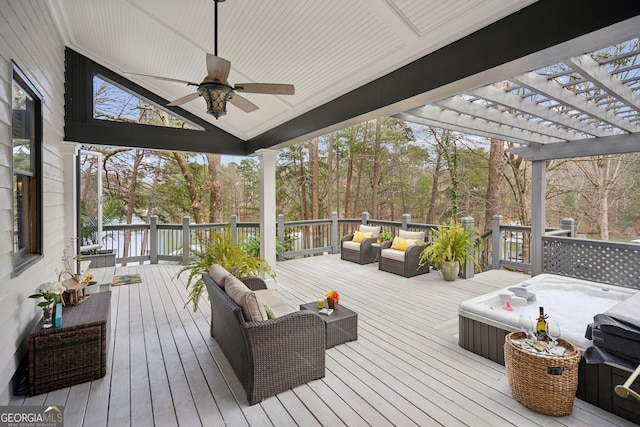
[268,356]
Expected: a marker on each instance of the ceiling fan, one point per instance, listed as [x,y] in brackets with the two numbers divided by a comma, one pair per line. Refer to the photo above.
[216,90]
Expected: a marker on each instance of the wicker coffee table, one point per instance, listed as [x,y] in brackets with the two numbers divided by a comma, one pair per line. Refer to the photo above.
[74,353]
[342,324]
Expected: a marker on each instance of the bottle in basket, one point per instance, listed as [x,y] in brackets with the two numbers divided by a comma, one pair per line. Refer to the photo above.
[541,325]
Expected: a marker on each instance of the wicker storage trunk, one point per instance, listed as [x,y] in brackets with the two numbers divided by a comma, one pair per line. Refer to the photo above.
[542,383]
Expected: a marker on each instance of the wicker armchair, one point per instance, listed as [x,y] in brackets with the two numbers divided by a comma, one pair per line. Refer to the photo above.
[362,252]
[404,263]
[269,356]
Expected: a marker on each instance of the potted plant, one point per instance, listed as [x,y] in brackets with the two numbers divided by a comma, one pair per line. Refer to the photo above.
[220,248]
[451,247]
[384,236]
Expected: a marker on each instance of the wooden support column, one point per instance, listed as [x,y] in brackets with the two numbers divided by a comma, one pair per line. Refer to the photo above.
[268,209]
[538,191]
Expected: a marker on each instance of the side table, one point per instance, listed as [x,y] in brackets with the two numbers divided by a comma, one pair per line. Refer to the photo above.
[73,353]
[341,325]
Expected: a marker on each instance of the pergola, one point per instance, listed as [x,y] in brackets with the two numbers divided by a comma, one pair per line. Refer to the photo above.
[560,101]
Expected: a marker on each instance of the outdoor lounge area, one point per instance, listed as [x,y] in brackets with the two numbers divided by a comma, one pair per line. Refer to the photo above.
[406,367]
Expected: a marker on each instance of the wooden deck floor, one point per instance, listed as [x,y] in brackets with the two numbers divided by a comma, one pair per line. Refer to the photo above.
[406,367]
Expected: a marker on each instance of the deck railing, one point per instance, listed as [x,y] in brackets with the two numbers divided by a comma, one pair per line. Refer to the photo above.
[505,245]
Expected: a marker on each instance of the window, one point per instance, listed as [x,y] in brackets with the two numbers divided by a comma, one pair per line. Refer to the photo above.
[26,123]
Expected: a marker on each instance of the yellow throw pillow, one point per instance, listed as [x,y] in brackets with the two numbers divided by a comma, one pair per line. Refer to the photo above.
[359,236]
[401,244]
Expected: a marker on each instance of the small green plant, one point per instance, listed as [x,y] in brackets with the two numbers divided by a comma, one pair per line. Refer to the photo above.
[452,244]
[220,248]
[386,235]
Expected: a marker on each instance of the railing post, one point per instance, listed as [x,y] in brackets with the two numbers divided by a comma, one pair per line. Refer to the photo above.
[335,238]
[153,239]
[468,269]
[186,240]
[569,224]
[365,218]
[496,242]
[234,228]
[280,236]
[406,219]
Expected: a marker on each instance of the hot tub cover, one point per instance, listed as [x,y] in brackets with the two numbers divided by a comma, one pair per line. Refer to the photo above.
[617,331]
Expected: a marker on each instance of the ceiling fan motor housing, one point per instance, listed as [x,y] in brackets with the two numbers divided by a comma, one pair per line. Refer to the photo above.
[216,96]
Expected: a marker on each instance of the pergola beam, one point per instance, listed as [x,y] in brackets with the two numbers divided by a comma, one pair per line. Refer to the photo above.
[493,94]
[552,90]
[591,70]
[474,126]
[608,145]
[496,115]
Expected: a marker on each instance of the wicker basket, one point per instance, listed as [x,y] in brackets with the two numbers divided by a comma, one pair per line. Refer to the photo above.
[542,383]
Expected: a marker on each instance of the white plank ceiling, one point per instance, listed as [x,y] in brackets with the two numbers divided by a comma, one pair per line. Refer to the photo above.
[325,48]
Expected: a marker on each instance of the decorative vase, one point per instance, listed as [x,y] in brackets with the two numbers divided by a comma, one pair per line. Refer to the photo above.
[47,317]
[450,270]
[332,304]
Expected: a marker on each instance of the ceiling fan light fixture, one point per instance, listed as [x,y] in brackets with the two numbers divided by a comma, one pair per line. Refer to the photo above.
[216,97]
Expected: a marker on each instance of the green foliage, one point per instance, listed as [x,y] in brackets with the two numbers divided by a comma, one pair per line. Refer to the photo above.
[220,248]
[252,246]
[452,243]
[386,235]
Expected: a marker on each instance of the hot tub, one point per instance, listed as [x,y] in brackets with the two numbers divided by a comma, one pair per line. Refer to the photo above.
[573,302]
[483,324]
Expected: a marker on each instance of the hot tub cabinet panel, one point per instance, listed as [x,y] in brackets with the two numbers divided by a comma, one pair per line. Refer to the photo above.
[595,382]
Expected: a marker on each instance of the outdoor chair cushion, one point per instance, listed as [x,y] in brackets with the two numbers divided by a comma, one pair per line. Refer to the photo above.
[218,273]
[393,254]
[350,244]
[373,229]
[274,300]
[414,235]
[252,308]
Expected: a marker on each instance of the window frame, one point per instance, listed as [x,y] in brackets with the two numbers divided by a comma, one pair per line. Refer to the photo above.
[24,257]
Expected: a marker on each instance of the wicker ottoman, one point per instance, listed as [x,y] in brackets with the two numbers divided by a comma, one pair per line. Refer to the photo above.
[74,353]
[545,384]
[342,324]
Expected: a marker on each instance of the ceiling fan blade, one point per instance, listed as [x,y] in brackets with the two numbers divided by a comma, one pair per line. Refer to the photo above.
[269,88]
[243,103]
[184,99]
[161,78]
[217,68]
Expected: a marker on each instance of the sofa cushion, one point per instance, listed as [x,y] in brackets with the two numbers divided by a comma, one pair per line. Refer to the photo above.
[359,236]
[350,244]
[401,244]
[252,308]
[393,254]
[218,273]
[416,235]
[374,230]
[276,302]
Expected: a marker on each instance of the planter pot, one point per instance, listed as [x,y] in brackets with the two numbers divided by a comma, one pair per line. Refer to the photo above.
[450,270]
[106,258]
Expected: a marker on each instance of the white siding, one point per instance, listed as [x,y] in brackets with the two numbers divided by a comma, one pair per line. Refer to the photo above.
[28,36]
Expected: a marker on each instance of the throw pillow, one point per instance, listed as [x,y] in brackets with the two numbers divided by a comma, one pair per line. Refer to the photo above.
[374,229]
[252,308]
[270,314]
[359,236]
[218,273]
[402,244]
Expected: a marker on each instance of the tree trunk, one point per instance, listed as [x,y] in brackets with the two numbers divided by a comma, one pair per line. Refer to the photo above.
[192,187]
[330,176]
[131,200]
[493,199]
[375,209]
[363,155]
[215,195]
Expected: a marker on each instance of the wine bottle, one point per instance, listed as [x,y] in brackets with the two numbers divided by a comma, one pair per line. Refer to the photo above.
[541,325]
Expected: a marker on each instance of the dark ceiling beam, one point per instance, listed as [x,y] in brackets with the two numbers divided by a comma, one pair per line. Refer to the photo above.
[539,26]
[80,125]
